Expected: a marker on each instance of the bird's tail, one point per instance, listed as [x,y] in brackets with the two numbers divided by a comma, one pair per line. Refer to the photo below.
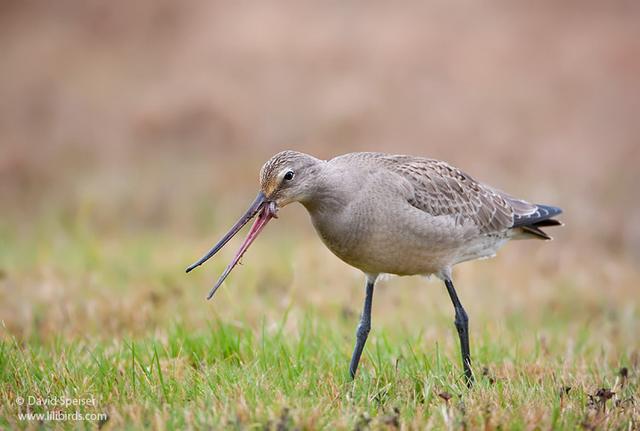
[530,223]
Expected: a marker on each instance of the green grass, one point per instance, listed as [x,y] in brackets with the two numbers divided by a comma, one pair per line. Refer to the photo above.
[113,318]
[229,376]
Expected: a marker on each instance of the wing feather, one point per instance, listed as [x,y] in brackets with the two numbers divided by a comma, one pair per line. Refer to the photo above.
[441,189]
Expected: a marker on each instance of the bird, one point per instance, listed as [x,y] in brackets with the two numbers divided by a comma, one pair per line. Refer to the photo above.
[392,214]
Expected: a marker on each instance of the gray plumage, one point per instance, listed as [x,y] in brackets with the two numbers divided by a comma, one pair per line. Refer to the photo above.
[400,214]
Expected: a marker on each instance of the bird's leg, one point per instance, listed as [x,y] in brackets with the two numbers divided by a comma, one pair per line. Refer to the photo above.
[363,328]
[462,325]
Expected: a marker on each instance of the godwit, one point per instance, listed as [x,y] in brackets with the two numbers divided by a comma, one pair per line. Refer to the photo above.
[392,214]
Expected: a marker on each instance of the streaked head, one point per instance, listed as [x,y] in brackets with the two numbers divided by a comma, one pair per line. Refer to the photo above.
[287,177]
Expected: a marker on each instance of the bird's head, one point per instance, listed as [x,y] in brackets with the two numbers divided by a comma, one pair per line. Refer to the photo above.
[286,177]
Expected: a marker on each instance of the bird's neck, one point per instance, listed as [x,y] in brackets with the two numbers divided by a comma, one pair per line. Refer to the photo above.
[330,192]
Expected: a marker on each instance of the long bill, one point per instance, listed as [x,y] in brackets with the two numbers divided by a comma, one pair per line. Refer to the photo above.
[268,212]
[265,210]
[248,215]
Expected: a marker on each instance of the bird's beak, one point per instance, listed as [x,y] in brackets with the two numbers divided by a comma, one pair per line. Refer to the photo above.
[266,210]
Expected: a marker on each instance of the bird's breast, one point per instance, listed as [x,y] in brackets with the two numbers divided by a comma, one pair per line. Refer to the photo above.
[379,240]
[342,233]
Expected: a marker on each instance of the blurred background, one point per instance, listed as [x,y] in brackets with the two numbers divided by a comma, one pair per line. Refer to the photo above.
[131,137]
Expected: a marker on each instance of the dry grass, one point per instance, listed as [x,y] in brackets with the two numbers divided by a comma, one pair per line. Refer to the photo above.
[116,318]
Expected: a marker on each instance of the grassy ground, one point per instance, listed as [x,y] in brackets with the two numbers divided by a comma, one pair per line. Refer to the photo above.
[112,318]
[124,132]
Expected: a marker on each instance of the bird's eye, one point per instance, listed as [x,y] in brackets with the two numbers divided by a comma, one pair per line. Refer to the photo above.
[288,176]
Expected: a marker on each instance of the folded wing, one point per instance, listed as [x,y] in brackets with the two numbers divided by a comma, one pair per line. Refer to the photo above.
[441,189]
